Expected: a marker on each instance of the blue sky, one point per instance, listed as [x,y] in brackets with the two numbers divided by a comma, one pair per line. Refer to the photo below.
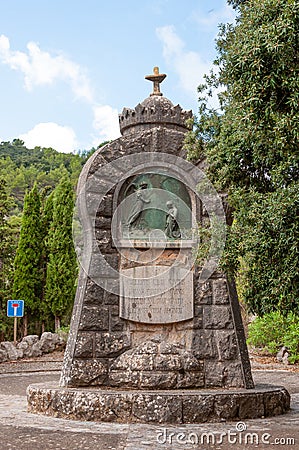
[68,67]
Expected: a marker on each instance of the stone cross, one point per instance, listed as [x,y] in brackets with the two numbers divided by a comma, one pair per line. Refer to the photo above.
[156,78]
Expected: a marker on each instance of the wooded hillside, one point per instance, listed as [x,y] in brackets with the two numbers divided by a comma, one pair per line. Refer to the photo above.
[30,181]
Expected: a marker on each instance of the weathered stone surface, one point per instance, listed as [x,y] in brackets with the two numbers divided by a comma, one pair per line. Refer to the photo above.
[253,409]
[283,356]
[125,379]
[116,323]
[220,292]
[28,341]
[204,344]
[170,406]
[235,376]
[150,347]
[168,362]
[112,299]
[187,325]
[165,348]
[103,223]
[227,345]
[223,374]
[29,346]
[217,317]
[145,366]
[278,404]
[155,294]
[103,266]
[153,110]
[84,345]
[3,355]
[12,352]
[94,318]
[226,406]
[87,372]
[198,317]
[104,241]
[157,409]
[36,350]
[133,361]
[157,380]
[132,257]
[190,379]
[105,207]
[111,344]
[94,294]
[92,202]
[203,293]
[50,342]
[199,411]
[121,406]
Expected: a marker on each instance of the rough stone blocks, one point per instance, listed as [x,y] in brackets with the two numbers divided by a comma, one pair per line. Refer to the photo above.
[170,406]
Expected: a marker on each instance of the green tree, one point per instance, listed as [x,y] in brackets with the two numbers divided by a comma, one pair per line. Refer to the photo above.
[47,195]
[5,252]
[62,263]
[251,146]
[27,276]
[236,3]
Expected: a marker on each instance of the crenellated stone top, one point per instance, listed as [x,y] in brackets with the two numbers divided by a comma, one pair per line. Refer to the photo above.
[154,110]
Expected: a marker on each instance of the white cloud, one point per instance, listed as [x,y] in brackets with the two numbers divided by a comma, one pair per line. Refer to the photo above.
[189,65]
[41,68]
[213,17]
[105,123]
[50,134]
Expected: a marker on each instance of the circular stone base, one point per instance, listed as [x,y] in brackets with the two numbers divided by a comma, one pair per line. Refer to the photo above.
[169,406]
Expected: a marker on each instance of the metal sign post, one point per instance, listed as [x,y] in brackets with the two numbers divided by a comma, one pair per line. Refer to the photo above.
[15,309]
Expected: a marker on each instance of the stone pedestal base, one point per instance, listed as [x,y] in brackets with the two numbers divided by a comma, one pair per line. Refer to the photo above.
[169,406]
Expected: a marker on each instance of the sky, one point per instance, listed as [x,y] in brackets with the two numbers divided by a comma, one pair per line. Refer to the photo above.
[68,67]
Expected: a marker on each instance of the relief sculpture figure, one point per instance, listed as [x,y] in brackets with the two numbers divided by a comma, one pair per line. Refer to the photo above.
[172,227]
[134,218]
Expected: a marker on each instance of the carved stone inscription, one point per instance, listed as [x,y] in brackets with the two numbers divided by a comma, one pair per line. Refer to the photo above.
[156,294]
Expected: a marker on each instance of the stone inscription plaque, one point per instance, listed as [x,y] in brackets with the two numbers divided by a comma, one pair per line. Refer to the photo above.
[156,294]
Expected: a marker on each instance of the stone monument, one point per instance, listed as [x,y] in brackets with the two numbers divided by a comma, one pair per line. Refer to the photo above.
[154,336]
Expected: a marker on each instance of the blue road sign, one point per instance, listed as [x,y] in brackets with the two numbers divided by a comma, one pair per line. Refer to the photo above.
[15,308]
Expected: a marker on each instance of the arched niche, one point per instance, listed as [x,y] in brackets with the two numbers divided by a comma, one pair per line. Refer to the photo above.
[154,206]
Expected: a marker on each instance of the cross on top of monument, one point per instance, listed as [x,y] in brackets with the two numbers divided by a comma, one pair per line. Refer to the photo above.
[156,78]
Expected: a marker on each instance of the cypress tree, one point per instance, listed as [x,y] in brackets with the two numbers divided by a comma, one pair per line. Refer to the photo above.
[62,263]
[5,250]
[27,276]
[46,315]
[5,203]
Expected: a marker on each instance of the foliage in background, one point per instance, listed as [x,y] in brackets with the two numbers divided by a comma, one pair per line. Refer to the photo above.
[265,234]
[236,3]
[46,316]
[251,144]
[45,263]
[9,230]
[273,331]
[62,263]
[20,169]
[27,274]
